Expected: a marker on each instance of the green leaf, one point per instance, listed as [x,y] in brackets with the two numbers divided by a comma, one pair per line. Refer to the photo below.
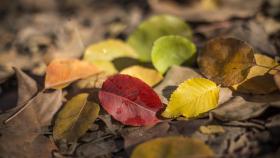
[102,53]
[171,50]
[143,37]
[75,118]
[192,98]
[172,147]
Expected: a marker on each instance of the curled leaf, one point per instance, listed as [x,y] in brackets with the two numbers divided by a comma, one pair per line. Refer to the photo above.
[259,79]
[75,118]
[130,100]
[143,37]
[171,50]
[226,61]
[101,54]
[61,72]
[149,76]
[171,147]
[192,98]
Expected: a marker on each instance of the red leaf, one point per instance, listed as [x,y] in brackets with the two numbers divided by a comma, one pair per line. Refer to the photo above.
[130,100]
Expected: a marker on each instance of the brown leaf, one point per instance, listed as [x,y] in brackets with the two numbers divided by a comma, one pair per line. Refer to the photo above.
[207,10]
[135,135]
[226,61]
[22,136]
[277,79]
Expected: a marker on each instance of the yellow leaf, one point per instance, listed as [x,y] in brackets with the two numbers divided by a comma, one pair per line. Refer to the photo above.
[75,118]
[258,80]
[61,72]
[173,147]
[101,54]
[149,76]
[192,98]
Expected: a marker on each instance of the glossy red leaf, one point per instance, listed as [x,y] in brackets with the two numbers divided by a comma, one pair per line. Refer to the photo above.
[130,100]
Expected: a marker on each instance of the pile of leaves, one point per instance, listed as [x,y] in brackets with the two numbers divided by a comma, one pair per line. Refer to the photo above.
[158,93]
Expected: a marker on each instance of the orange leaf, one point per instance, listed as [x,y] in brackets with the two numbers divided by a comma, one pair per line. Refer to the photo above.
[64,71]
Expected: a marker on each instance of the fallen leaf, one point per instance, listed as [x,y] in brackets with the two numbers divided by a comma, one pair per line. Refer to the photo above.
[170,147]
[237,108]
[211,129]
[277,79]
[44,104]
[136,135]
[226,61]
[192,98]
[94,81]
[172,50]
[259,79]
[64,71]
[186,127]
[130,100]
[147,32]
[207,10]
[101,54]
[75,118]
[22,136]
[149,76]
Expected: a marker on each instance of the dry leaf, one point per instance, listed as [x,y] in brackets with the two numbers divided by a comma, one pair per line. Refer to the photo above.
[211,129]
[149,76]
[171,147]
[94,81]
[259,79]
[237,108]
[75,118]
[64,71]
[22,136]
[226,61]
[207,10]
[277,79]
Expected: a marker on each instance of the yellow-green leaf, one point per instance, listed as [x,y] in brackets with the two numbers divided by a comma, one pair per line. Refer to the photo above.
[172,50]
[149,76]
[211,129]
[173,147]
[147,32]
[75,118]
[259,80]
[102,53]
[192,98]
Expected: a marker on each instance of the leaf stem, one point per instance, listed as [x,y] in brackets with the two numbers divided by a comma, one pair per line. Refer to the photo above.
[269,68]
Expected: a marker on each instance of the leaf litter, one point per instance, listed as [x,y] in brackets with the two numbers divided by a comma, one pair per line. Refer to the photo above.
[243,123]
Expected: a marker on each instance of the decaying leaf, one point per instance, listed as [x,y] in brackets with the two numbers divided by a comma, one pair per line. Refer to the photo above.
[170,147]
[207,10]
[130,100]
[172,50]
[192,98]
[101,54]
[211,129]
[237,108]
[259,79]
[61,72]
[143,37]
[277,79]
[75,118]
[136,135]
[149,76]
[226,61]
[22,136]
